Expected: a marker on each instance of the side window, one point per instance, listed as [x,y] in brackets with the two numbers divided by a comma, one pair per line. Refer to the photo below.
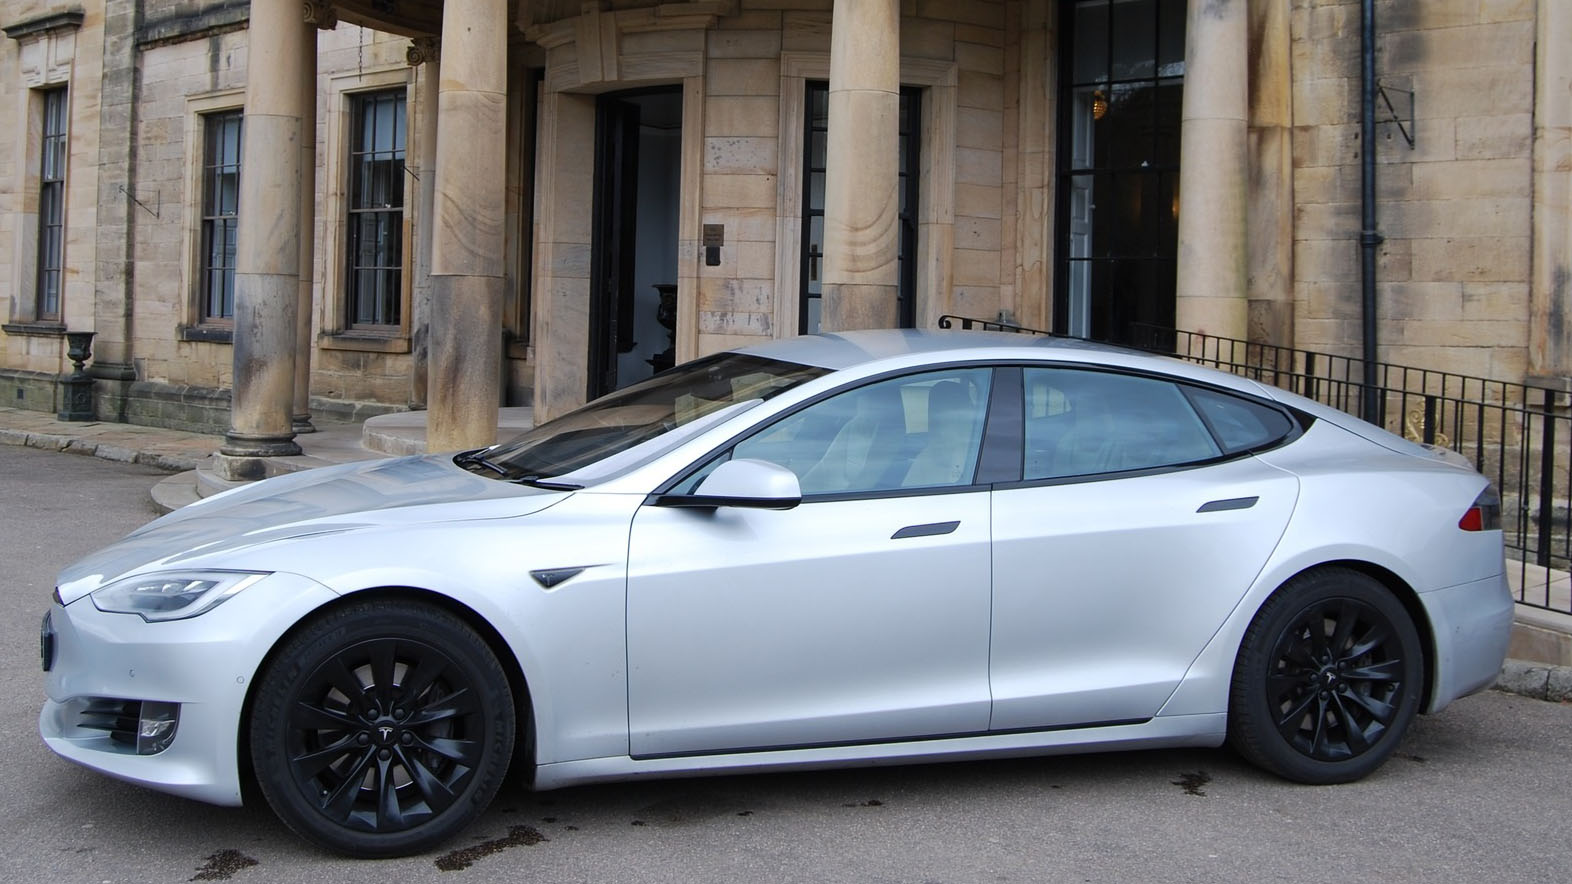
[920,431]
[1239,423]
[1082,423]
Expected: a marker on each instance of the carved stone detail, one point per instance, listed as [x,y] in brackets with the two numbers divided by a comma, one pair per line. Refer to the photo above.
[422,50]
[320,13]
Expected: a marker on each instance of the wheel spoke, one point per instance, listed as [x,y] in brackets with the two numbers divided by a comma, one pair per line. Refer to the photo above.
[382,664]
[338,675]
[1346,618]
[425,671]
[437,794]
[460,702]
[309,764]
[1380,711]
[1373,638]
[340,803]
[1386,670]
[1352,732]
[389,815]
[1318,736]
[1288,723]
[1280,687]
[465,752]
[311,717]
[1315,625]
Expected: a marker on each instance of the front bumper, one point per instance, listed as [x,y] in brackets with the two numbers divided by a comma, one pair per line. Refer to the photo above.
[1471,624]
[204,664]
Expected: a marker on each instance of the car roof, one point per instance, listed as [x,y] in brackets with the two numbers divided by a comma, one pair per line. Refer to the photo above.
[842,350]
[878,349]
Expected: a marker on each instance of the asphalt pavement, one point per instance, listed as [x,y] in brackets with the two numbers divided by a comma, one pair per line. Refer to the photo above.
[1480,792]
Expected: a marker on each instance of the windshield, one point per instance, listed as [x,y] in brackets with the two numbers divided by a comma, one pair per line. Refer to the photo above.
[644,411]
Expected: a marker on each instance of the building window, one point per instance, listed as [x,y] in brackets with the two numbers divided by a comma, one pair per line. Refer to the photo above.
[51,205]
[220,204]
[815,161]
[376,209]
[1122,82]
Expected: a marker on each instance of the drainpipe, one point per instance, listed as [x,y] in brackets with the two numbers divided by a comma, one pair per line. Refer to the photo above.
[1369,239]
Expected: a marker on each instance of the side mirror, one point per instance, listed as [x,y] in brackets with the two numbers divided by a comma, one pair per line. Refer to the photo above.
[746,483]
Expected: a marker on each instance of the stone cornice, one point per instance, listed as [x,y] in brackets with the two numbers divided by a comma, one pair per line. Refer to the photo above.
[45,25]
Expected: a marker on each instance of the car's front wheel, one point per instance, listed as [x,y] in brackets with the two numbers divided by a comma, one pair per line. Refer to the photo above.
[382,728]
[1328,677]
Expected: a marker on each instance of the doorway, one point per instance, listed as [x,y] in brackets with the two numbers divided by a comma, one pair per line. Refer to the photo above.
[1121,91]
[633,277]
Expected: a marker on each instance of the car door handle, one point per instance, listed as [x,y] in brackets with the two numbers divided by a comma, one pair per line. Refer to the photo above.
[931,529]
[1232,503]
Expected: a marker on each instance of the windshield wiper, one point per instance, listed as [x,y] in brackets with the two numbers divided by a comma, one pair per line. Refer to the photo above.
[538,481]
[478,458]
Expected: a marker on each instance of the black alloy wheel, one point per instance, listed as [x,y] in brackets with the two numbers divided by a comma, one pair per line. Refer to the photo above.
[382,728]
[1328,678]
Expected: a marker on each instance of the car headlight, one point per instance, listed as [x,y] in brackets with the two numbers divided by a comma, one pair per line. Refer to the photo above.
[172,595]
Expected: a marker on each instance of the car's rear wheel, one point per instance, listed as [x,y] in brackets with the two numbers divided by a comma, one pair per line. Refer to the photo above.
[382,728]
[1328,678]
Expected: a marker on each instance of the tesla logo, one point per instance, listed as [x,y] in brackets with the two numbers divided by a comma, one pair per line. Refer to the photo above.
[387,733]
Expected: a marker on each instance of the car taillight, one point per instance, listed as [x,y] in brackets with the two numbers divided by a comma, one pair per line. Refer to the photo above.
[1485,514]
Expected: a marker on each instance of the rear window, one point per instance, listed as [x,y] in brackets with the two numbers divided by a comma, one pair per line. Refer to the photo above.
[1240,424]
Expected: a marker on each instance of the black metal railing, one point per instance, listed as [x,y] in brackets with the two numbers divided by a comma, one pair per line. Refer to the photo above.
[1518,435]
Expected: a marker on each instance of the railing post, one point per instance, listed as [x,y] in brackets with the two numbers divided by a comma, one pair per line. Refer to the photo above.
[1429,431]
[1547,482]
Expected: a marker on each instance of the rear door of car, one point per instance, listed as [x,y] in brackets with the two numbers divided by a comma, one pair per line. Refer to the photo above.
[1140,521]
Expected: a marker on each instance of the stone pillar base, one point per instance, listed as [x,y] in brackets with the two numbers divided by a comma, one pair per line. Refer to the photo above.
[301,423]
[239,467]
[245,446]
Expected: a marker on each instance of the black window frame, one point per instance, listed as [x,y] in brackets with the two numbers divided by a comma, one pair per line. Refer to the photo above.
[220,215]
[381,308]
[909,172]
[1011,414]
[1110,181]
[54,149]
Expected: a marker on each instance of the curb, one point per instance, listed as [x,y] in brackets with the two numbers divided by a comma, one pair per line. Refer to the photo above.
[174,463]
[1537,680]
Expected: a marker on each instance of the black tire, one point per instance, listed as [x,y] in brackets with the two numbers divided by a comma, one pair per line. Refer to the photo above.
[382,728]
[1328,678]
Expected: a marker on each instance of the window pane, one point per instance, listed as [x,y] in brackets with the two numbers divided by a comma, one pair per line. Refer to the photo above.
[376,203]
[913,432]
[1091,41]
[220,204]
[1086,423]
[1239,423]
[1170,43]
[1134,39]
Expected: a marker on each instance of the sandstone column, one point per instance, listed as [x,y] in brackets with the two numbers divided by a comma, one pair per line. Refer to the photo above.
[1271,192]
[467,240]
[1214,170]
[423,53]
[267,258]
[300,420]
[862,192]
[1550,325]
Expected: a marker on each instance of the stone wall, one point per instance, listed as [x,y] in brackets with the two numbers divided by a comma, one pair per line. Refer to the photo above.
[1452,278]
[178,81]
[81,67]
[748,188]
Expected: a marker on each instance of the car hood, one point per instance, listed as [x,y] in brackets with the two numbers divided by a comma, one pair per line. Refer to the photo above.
[347,497]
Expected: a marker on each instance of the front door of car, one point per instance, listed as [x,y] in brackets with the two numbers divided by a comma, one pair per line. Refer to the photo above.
[860,615]
[1133,537]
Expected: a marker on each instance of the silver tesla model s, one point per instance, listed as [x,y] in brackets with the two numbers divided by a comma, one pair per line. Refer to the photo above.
[833,550]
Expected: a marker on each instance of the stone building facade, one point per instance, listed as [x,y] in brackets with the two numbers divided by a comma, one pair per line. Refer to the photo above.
[275,210]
